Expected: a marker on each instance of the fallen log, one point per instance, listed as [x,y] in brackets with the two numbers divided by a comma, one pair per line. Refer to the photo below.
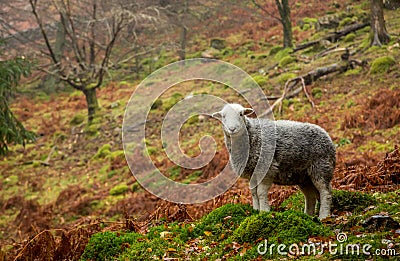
[333,37]
[290,91]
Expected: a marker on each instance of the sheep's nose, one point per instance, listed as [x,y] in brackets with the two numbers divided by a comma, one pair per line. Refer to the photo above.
[232,129]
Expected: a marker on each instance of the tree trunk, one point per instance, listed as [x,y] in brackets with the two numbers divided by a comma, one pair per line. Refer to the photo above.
[284,12]
[51,83]
[92,103]
[378,34]
[182,50]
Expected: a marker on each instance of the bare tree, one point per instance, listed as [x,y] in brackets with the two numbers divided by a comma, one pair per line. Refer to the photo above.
[283,18]
[181,15]
[86,59]
[378,34]
[75,40]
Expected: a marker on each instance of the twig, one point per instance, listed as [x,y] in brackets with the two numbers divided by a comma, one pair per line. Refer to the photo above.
[46,162]
[305,91]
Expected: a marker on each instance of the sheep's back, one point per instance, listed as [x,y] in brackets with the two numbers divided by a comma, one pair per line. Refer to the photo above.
[298,144]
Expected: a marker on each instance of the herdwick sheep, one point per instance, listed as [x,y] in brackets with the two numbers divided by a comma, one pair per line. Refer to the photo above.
[279,152]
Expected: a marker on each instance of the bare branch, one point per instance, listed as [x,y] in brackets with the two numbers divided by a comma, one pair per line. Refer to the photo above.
[259,6]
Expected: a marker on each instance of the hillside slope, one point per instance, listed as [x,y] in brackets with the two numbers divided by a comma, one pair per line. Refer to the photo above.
[85,183]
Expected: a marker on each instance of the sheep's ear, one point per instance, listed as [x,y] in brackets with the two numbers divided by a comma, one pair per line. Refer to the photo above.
[247,111]
[216,115]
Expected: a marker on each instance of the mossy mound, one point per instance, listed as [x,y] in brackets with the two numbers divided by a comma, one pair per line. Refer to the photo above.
[224,219]
[103,151]
[283,78]
[284,227]
[119,190]
[351,201]
[169,103]
[283,53]
[77,119]
[286,61]
[316,93]
[342,200]
[382,64]
[259,79]
[108,245]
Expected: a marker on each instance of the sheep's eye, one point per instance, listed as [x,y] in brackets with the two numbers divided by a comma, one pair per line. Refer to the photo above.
[241,114]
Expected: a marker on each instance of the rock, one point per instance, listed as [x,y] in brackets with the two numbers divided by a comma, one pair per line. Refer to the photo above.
[114,105]
[117,131]
[379,222]
[210,53]
[218,43]
[391,4]
[328,22]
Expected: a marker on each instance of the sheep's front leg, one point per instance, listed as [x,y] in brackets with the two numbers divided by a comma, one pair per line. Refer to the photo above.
[262,194]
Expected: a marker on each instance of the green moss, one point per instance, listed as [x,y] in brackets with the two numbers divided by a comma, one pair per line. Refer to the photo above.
[145,250]
[156,104]
[151,150]
[349,38]
[342,201]
[284,227]
[343,141]
[283,78]
[382,64]
[306,27]
[118,154]
[309,20]
[103,151]
[174,172]
[119,190]
[350,103]
[77,119]
[136,187]
[316,93]
[274,50]
[283,53]
[294,202]
[224,219]
[346,21]
[286,60]
[169,103]
[262,56]
[92,130]
[108,245]
[308,23]
[227,52]
[375,147]
[351,201]
[355,71]
[11,180]
[260,80]
[193,177]
[194,119]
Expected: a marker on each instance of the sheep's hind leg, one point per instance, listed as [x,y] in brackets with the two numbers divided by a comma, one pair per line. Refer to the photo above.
[325,194]
[310,196]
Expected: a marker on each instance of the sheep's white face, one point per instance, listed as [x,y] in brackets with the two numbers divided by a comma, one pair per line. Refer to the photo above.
[232,118]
